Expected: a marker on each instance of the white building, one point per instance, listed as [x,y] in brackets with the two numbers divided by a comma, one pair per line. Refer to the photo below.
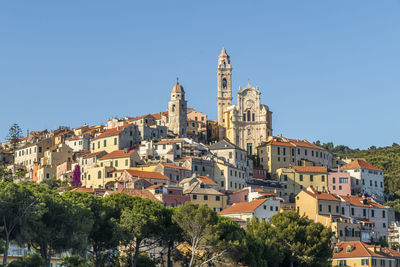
[365,179]
[79,142]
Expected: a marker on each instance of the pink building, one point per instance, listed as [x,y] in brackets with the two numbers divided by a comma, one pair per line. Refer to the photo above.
[339,183]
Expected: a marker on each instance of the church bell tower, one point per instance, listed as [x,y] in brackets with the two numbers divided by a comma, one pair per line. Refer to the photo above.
[224,78]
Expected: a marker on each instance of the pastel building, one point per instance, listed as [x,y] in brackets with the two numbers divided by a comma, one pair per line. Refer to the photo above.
[365,179]
[339,183]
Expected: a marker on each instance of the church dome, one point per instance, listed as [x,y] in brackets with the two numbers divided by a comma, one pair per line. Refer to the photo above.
[177,88]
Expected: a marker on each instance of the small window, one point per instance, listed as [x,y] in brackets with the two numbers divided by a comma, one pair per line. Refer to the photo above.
[205,197]
[194,196]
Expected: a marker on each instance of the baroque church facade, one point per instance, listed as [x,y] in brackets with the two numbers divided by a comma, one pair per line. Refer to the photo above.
[246,124]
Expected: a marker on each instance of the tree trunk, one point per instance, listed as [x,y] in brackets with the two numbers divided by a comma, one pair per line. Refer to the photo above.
[169,262]
[7,245]
[136,255]
[192,258]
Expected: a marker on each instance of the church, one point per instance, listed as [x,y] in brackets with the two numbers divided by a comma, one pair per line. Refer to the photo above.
[246,124]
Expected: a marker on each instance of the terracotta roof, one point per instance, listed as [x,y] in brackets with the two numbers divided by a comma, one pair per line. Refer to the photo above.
[148,175]
[169,165]
[304,143]
[153,186]
[142,193]
[76,137]
[359,164]
[206,180]
[157,116]
[93,154]
[5,151]
[244,207]
[82,190]
[112,132]
[362,202]
[138,118]
[359,249]
[118,154]
[196,189]
[264,193]
[169,142]
[310,169]
[277,143]
[321,195]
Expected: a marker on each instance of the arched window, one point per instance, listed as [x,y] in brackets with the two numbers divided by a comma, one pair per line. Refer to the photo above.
[224,64]
[224,83]
[99,175]
[248,115]
[253,117]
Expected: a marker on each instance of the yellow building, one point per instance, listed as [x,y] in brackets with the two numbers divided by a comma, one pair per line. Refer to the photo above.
[229,177]
[325,208]
[116,139]
[280,152]
[120,159]
[297,178]
[200,194]
[359,254]
[100,177]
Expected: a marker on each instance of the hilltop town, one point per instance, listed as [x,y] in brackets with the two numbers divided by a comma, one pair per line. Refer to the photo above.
[234,165]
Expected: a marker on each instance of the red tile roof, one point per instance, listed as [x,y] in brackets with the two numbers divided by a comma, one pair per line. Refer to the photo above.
[277,143]
[92,154]
[243,207]
[310,169]
[361,202]
[118,154]
[321,195]
[142,193]
[157,116]
[148,175]
[359,249]
[168,142]
[82,190]
[112,132]
[359,164]
[206,180]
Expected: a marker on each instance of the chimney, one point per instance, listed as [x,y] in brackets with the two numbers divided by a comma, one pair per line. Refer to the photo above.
[126,150]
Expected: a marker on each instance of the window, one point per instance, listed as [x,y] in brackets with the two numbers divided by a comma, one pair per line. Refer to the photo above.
[230,155]
[337,209]
[320,208]
[98,144]
[329,208]
[271,208]
[383,214]
[217,198]
[285,177]
[126,162]
[343,180]
[206,197]
[105,143]
[284,151]
[342,210]
[323,178]
[194,196]
[352,211]
[384,225]
[311,178]
[301,177]
[248,115]
[370,183]
[279,150]
[333,180]
[99,174]
[364,212]
[372,213]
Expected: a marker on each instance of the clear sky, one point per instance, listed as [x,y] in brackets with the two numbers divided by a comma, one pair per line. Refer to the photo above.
[329,70]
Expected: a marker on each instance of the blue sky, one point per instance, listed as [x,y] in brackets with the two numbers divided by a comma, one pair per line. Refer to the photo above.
[328,70]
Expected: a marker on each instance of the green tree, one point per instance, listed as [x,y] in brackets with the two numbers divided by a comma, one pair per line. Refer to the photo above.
[210,237]
[302,241]
[14,134]
[141,223]
[17,205]
[30,260]
[74,261]
[63,225]
[51,183]
[104,236]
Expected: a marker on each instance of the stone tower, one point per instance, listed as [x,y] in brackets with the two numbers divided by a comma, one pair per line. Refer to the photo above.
[224,78]
[177,110]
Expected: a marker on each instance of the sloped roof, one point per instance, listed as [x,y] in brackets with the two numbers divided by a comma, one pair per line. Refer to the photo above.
[244,207]
[224,144]
[112,132]
[360,249]
[315,169]
[206,180]
[142,193]
[196,189]
[148,175]
[94,154]
[167,142]
[117,154]
[362,202]
[359,164]
[321,195]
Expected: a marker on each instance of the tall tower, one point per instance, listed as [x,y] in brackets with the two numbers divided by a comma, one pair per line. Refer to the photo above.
[177,110]
[224,78]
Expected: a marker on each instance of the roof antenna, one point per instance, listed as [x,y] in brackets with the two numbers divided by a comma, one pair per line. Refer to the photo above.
[177,80]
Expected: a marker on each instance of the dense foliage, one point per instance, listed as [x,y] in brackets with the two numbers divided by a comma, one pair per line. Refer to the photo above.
[119,230]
